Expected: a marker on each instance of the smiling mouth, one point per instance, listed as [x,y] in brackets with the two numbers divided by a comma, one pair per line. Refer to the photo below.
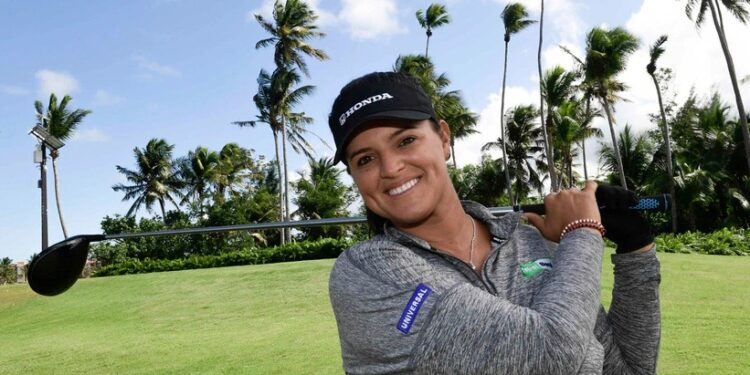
[403,188]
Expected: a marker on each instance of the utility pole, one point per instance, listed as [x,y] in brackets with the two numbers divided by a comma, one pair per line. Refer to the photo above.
[43,187]
[45,140]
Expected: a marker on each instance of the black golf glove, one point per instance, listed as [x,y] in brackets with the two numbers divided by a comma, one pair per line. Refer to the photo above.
[628,229]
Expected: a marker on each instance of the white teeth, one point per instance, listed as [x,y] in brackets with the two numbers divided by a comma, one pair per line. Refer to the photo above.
[403,188]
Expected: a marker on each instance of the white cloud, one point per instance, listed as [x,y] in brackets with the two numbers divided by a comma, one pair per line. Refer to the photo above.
[560,17]
[59,83]
[371,19]
[150,68]
[694,56]
[104,98]
[13,90]
[90,135]
[554,55]
[362,19]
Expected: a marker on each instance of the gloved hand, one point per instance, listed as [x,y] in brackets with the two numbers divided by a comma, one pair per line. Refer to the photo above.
[628,229]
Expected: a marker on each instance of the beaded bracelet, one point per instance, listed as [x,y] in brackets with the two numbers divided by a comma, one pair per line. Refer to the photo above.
[583,223]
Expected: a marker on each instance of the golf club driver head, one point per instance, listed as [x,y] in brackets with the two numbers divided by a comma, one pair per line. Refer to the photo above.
[58,267]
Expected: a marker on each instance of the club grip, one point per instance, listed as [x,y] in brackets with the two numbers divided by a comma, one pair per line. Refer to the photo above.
[651,203]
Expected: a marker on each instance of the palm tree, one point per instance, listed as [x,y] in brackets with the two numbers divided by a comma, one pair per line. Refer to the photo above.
[266,101]
[606,55]
[196,172]
[557,87]
[275,97]
[548,148]
[322,194]
[235,164]
[422,68]
[568,132]
[435,16]
[449,105]
[293,24]
[635,153]
[61,123]
[586,120]
[655,52]
[736,8]
[515,19]
[524,144]
[153,180]
[461,121]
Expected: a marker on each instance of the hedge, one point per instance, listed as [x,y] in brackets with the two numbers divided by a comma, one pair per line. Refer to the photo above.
[308,250]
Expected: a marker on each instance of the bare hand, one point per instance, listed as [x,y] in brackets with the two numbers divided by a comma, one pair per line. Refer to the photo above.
[564,207]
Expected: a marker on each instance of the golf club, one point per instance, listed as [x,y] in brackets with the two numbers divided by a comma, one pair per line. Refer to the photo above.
[58,267]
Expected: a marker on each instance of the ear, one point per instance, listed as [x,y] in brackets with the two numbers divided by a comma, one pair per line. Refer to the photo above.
[445,138]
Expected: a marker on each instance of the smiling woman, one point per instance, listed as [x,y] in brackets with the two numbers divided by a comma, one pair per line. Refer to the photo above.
[445,287]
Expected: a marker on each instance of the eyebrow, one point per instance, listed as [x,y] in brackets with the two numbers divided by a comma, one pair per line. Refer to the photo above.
[395,134]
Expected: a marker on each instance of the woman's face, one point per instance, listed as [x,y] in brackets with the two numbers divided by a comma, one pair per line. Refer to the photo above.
[399,168]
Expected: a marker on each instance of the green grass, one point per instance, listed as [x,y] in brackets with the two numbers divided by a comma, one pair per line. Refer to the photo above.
[276,319]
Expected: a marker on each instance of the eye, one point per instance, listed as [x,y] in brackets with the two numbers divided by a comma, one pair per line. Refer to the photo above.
[364,160]
[408,140]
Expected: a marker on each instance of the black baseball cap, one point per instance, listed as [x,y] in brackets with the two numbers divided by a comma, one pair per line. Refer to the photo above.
[376,96]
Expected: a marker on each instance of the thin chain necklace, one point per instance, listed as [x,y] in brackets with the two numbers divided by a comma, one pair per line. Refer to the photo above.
[473,238]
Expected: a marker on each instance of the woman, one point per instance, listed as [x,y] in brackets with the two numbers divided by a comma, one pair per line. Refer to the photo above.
[446,287]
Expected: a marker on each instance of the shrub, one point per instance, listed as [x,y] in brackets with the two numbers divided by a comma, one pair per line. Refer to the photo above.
[725,241]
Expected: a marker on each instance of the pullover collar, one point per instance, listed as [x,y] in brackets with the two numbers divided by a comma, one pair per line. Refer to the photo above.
[501,228]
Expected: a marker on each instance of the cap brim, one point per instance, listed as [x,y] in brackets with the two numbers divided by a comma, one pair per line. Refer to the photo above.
[386,115]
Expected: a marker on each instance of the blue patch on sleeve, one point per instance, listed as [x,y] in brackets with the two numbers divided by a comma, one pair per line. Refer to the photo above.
[412,308]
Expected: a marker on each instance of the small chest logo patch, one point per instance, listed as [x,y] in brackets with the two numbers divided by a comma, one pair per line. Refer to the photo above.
[531,269]
[412,308]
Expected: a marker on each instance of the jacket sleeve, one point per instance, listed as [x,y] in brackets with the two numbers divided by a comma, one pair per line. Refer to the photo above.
[460,328]
[631,331]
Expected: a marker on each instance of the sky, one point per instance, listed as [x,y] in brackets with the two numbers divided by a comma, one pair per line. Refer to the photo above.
[184,70]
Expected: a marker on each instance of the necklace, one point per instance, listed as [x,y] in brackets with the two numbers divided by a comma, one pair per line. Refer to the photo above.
[471,246]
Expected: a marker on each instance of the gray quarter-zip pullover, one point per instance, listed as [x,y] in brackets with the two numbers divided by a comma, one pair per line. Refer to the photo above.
[403,307]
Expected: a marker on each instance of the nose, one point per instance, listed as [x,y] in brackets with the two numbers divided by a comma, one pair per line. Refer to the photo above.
[390,165]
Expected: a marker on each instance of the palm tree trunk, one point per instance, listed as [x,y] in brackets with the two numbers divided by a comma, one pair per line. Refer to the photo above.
[583,142]
[547,146]
[427,46]
[57,196]
[453,154]
[583,152]
[721,18]
[281,186]
[668,146]
[570,166]
[735,86]
[614,143]
[502,129]
[163,212]
[286,180]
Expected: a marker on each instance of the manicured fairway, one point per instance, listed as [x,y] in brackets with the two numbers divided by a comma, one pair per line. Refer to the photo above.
[276,319]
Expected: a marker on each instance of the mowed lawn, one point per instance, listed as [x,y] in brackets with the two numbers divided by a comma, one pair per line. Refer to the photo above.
[276,319]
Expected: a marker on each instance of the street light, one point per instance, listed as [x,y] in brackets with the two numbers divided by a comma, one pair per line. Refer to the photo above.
[45,140]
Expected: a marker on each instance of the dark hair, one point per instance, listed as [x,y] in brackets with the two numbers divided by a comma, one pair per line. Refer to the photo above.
[375,222]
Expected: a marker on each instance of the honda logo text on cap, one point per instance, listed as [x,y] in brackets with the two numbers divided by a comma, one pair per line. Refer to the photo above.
[358,106]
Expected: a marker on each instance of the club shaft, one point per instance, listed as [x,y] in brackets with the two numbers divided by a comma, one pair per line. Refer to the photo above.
[267,225]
